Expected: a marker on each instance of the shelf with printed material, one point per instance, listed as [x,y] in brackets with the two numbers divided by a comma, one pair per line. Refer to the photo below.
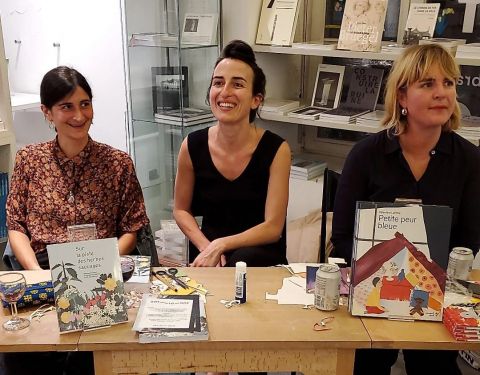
[320,50]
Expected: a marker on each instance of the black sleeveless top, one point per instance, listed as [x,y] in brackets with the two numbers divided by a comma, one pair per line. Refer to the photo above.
[230,207]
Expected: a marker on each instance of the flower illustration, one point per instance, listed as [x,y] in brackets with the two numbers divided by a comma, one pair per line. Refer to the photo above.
[110,284]
[65,317]
[63,303]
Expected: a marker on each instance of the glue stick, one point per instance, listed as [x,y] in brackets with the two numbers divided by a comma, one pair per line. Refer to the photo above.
[241,282]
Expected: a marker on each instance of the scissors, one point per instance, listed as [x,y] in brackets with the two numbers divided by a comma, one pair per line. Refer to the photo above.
[322,326]
[163,277]
[171,273]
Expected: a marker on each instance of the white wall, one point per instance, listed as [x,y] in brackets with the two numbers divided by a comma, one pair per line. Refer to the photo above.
[90,37]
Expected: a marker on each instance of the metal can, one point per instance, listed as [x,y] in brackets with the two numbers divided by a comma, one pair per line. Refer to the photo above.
[327,287]
[460,263]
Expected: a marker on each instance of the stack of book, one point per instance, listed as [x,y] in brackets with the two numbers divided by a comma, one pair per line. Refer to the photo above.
[451,45]
[470,51]
[463,322]
[171,318]
[187,116]
[470,127]
[278,106]
[3,202]
[472,357]
[153,40]
[307,169]
[172,245]
[371,119]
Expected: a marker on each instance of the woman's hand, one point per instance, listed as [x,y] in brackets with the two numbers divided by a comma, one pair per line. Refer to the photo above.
[211,255]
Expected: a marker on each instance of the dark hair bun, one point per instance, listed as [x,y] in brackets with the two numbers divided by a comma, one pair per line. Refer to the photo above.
[238,49]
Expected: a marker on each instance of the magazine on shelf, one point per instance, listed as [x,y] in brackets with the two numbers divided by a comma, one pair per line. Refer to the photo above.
[200,29]
[186,114]
[421,22]
[326,93]
[88,284]
[399,261]
[169,87]
[171,318]
[364,88]
[362,25]
[372,119]
[152,39]
[277,23]
[307,169]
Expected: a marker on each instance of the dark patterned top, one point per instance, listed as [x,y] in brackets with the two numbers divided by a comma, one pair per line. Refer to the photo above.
[49,192]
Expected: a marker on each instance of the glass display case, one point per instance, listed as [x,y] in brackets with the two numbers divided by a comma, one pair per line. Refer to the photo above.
[171,48]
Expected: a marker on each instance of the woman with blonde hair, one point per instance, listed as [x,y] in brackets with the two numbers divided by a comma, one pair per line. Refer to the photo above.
[417,156]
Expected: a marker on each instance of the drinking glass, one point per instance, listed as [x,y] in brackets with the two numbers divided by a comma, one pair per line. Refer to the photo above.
[128,266]
[12,287]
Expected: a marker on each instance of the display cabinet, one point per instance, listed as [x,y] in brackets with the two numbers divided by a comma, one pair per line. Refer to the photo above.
[7,138]
[171,48]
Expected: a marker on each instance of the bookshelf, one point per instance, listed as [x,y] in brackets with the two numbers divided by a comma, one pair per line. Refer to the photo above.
[7,137]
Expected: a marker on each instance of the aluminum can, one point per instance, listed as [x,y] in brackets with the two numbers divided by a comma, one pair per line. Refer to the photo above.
[327,287]
[460,263]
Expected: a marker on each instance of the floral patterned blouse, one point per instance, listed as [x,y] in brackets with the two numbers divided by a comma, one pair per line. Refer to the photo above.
[49,192]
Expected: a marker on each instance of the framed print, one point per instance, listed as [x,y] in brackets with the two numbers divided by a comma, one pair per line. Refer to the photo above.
[200,29]
[328,86]
[169,87]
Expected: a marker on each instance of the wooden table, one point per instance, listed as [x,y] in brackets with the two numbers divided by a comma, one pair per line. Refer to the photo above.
[386,334]
[258,336]
[42,335]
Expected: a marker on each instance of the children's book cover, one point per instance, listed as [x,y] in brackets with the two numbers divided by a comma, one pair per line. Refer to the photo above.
[88,285]
[362,25]
[399,263]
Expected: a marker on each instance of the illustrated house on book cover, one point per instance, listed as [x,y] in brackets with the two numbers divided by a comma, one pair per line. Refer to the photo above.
[399,261]
[362,25]
[88,285]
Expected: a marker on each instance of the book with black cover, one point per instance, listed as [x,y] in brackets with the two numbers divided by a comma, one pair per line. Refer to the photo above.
[157,319]
[399,261]
[364,88]
[169,88]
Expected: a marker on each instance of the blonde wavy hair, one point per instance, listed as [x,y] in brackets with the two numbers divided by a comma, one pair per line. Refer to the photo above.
[413,65]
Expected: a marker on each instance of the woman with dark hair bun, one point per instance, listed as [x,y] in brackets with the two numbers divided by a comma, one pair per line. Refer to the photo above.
[234,174]
[70,180]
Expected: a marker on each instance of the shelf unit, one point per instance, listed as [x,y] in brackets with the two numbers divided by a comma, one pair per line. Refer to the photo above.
[7,137]
[155,55]
[321,52]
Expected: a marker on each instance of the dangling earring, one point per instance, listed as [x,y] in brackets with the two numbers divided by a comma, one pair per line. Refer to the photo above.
[404,112]
[51,126]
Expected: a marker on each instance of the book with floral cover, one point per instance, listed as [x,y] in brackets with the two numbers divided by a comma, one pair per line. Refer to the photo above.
[399,260]
[88,285]
[362,25]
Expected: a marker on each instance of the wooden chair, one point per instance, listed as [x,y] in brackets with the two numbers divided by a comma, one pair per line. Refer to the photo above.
[330,183]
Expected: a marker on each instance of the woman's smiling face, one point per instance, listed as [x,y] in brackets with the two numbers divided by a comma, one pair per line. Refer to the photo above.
[231,92]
